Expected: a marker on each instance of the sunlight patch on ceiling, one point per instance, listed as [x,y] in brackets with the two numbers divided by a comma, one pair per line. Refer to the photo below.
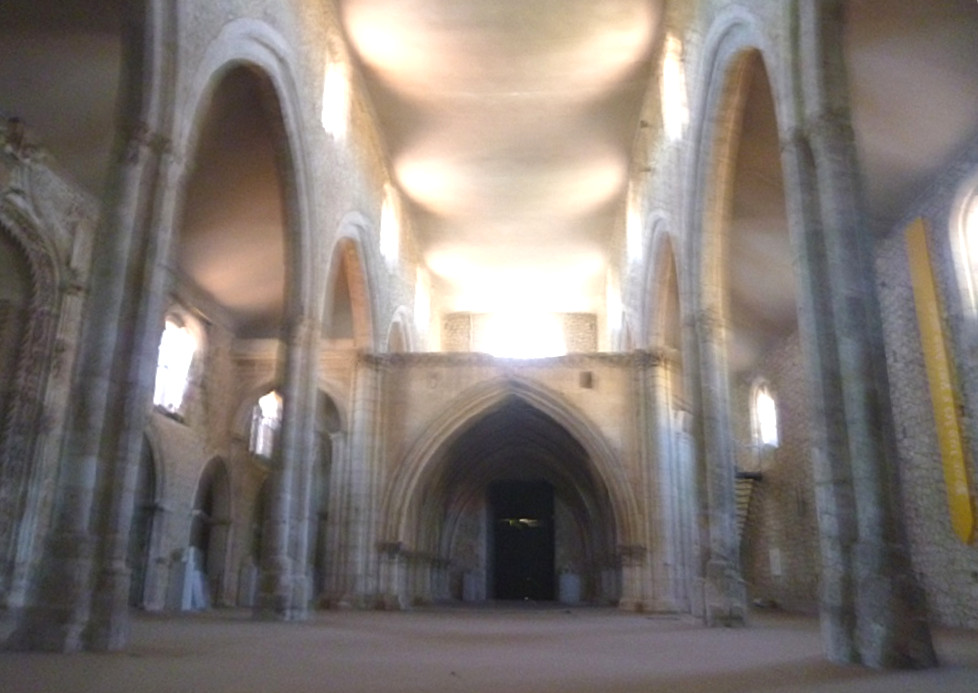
[419,46]
[450,185]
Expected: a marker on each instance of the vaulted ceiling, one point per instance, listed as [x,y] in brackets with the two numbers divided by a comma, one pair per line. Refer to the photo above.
[509,124]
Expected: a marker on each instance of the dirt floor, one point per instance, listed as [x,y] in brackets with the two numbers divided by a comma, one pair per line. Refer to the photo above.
[510,650]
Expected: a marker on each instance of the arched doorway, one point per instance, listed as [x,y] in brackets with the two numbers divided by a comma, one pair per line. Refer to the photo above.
[209,528]
[510,467]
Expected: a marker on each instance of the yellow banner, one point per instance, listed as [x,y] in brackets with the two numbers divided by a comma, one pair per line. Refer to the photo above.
[943,397]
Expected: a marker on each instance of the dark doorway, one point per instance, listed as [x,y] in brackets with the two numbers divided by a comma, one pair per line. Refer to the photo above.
[523,540]
[141,528]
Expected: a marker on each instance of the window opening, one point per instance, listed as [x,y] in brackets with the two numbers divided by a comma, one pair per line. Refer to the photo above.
[764,414]
[176,354]
[266,419]
[967,242]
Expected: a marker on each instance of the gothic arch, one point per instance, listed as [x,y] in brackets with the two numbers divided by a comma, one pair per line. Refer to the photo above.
[255,45]
[210,530]
[399,332]
[402,506]
[733,41]
[347,264]
[21,423]
[144,530]
[661,277]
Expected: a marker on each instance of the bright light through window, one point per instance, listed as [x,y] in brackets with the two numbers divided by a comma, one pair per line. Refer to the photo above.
[969,235]
[765,417]
[177,347]
[266,418]
[523,335]
[336,100]
[675,110]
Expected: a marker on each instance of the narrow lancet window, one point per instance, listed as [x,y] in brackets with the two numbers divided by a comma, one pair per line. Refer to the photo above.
[764,414]
[266,419]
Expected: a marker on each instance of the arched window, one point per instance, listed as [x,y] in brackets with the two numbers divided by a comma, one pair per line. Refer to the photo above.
[266,419]
[964,234]
[177,349]
[764,416]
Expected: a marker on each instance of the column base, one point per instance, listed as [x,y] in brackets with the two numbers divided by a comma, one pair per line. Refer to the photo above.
[724,595]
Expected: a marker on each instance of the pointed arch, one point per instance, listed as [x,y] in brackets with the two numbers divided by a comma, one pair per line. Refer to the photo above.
[210,529]
[256,46]
[30,329]
[661,318]
[349,311]
[144,529]
[733,42]
[402,504]
[399,332]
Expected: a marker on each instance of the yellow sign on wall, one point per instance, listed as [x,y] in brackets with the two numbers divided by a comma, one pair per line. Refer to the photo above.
[943,396]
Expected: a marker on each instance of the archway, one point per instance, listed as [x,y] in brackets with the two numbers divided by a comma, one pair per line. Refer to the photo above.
[745,292]
[517,504]
[777,524]
[209,530]
[232,243]
[328,426]
[673,463]
[28,326]
[508,438]
[348,319]
[142,526]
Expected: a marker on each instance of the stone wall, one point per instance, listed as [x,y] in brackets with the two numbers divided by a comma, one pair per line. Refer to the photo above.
[779,546]
[947,567]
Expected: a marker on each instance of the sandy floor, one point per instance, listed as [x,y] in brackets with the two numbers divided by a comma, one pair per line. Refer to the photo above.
[499,649]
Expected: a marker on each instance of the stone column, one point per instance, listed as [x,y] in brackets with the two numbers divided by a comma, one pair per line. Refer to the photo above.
[872,610]
[669,572]
[278,584]
[109,628]
[307,456]
[724,592]
[656,498]
[362,492]
[336,521]
[59,607]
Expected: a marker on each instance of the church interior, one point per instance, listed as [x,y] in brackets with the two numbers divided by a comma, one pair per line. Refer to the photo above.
[666,308]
